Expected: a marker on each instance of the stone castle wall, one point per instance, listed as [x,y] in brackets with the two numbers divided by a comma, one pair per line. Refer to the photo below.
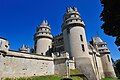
[14,64]
[60,66]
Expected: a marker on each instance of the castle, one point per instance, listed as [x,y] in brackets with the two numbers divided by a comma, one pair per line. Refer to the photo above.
[50,54]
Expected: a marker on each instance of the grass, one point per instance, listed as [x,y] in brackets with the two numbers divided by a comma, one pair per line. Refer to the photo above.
[110,79]
[74,71]
[49,77]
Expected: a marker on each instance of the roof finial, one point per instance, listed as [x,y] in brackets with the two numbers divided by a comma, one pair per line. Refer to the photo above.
[46,21]
[43,22]
[70,9]
[75,9]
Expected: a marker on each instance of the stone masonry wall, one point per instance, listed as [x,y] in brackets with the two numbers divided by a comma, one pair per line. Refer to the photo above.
[60,66]
[15,64]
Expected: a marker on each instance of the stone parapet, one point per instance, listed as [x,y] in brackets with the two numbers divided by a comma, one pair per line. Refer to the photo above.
[25,55]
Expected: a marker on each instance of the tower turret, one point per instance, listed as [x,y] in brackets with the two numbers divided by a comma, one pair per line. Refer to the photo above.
[75,42]
[24,49]
[74,34]
[102,48]
[43,38]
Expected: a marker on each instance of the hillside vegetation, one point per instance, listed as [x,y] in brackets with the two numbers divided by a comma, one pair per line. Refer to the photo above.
[50,77]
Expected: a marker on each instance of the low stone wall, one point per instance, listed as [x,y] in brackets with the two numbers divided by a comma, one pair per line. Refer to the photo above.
[14,64]
[17,64]
[60,66]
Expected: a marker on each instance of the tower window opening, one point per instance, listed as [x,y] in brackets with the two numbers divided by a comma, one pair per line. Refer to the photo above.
[72,15]
[108,58]
[41,53]
[75,16]
[81,38]
[83,49]
[6,46]
[70,20]
[66,21]
[49,47]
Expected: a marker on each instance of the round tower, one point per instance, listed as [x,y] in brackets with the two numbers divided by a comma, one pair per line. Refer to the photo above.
[43,38]
[102,48]
[75,42]
[74,34]
[24,49]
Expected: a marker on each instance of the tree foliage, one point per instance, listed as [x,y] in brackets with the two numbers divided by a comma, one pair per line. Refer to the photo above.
[117,68]
[111,18]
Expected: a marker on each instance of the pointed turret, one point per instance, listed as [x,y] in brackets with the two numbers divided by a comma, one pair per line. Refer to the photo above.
[104,51]
[43,38]
[71,18]
[100,45]
[24,49]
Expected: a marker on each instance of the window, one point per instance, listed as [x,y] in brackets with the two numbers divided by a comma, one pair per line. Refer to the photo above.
[0,43]
[70,20]
[108,58]
[75,15]
[83,49]
[41,53]
[6,46]
[72,15]
[49,47]
[81,38]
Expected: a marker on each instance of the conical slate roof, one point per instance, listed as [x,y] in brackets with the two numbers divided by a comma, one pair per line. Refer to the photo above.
[97,39]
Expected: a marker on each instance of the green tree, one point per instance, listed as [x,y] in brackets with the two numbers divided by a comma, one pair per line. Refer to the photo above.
[117,68]
[111,19]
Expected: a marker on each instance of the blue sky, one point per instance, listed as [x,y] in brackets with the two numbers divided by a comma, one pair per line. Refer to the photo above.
[19,18]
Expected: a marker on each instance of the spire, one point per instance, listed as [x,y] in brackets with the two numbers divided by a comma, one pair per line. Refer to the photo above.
[97,39]
[75,9]
[72,9]
[24,48]
[44,22]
